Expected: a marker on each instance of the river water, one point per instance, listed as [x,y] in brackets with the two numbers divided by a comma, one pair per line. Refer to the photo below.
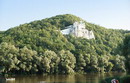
[78,78]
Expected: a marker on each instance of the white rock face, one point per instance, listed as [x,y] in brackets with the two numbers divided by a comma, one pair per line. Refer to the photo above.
[78,30]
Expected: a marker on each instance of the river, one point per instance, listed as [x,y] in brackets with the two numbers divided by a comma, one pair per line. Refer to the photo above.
[78,78]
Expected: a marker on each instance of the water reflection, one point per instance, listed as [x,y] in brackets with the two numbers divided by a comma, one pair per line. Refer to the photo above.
[87,78]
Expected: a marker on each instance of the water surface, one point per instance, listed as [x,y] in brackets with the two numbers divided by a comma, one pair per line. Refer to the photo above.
[78,78]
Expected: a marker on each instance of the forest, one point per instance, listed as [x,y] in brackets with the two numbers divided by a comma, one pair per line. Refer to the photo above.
[39,47]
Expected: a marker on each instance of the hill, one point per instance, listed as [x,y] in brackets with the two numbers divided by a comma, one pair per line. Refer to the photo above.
[40,43]
[44,34]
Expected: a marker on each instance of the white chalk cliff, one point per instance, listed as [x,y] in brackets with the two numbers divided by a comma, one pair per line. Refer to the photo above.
[78,30]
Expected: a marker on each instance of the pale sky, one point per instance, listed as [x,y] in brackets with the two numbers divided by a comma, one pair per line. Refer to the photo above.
[107,13]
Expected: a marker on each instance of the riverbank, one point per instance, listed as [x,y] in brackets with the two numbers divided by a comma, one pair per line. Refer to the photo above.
[121,79]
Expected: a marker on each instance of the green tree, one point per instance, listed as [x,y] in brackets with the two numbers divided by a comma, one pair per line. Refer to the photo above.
[26,58]
[50,62]
[119,63]
[67,62]
[8,57]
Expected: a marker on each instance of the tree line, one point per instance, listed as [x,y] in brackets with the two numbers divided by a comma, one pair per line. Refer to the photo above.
[15,60]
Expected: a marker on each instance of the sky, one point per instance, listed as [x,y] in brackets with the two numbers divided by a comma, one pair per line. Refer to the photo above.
[107,13]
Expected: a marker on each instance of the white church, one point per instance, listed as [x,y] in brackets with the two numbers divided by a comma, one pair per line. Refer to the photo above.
[78,29]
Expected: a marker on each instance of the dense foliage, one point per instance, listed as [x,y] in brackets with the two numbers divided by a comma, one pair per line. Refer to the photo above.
[126,49]
[39,47]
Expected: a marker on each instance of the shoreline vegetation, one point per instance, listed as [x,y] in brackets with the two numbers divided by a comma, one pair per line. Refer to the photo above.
[26,61]
[39,47]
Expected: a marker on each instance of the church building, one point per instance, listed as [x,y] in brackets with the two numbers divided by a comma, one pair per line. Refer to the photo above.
[78,30]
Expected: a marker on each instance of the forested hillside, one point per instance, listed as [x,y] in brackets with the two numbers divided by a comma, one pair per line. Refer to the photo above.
[40,47]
